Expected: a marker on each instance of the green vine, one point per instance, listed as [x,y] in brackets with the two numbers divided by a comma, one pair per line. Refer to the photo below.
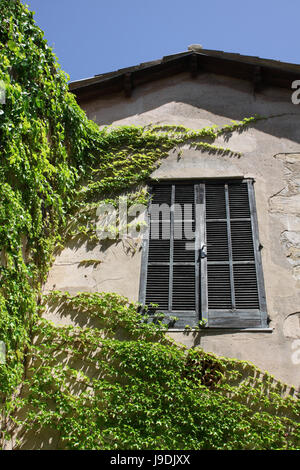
[113,381]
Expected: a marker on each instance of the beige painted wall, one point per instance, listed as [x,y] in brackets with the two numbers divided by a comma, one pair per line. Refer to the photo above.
[271,155]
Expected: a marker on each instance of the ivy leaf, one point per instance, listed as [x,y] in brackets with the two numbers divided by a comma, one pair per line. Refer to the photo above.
[19,355]
[12,45]
[38,102]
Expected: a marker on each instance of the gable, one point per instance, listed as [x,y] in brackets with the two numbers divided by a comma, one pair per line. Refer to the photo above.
[261,73]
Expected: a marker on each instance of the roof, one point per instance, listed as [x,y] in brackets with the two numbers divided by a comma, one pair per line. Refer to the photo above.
[262,72]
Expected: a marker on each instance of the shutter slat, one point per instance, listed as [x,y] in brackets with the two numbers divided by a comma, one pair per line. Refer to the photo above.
[183,288]
[180,251]
[242,241]
[217,241]
[219,287]
[157,290]
[215,201]
[245,283]
[184,201]
[238,200]
[159,240]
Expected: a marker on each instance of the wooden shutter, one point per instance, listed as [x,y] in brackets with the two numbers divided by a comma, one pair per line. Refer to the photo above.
[223,285]
[185,264]
[158,275]
[235,291]
[171,278]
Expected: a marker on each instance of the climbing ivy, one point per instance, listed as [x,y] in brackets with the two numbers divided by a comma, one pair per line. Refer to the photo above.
[116,381]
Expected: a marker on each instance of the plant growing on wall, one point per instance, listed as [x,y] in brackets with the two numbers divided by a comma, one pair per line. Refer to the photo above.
[85,385]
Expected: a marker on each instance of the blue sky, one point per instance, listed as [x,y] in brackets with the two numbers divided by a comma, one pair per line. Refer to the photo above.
[96,36]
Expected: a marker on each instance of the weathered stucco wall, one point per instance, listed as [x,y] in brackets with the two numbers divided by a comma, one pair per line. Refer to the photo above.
[271,155]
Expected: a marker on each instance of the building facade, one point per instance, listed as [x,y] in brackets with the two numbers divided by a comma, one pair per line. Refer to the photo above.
[245,284]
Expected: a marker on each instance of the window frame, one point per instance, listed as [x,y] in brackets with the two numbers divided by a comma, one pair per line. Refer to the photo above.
[237,319]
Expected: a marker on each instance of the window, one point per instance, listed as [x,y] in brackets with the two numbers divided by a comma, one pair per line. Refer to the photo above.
[201,256]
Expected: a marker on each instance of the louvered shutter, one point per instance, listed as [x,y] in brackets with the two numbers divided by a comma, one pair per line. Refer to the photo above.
[235,291]
[158,276]
[225,284]
[172,277]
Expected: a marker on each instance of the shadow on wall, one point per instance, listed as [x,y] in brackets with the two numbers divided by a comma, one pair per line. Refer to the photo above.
[79,240]
[229,98]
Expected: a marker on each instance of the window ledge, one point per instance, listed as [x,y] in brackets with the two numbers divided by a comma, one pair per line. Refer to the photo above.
[223,330]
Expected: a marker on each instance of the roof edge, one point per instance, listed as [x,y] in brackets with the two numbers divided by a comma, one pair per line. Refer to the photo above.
[262,72]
